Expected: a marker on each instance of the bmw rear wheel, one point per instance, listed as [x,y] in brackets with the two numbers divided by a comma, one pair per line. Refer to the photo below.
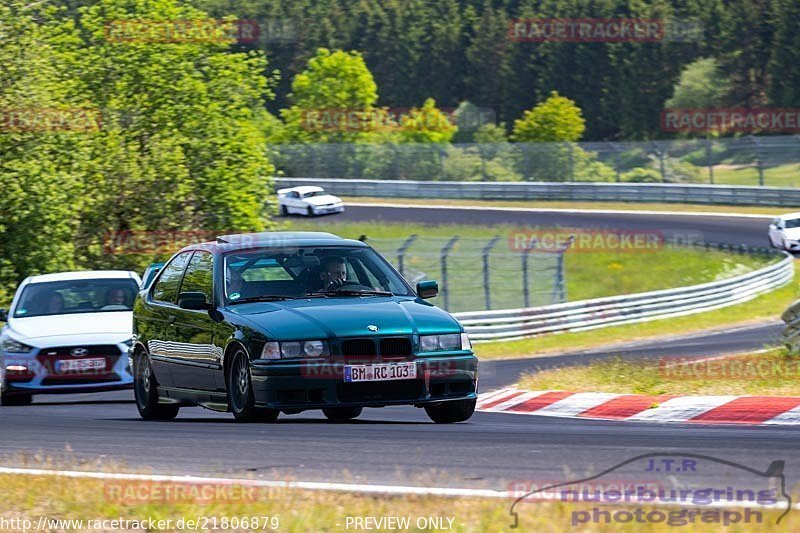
[340,414]
[145,390]
[449,412]
[240,392]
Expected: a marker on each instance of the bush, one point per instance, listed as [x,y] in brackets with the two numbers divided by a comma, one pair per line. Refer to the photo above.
[642,175]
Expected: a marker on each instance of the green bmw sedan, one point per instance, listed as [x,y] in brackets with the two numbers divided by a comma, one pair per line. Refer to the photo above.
[263,323]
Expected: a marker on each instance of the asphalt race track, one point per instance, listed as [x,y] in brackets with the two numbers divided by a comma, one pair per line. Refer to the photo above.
[400,445]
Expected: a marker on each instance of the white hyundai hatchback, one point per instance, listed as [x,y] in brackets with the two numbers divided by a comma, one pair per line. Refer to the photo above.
[67,332]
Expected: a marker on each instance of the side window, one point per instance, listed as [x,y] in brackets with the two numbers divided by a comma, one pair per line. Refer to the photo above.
[166,288]
[199,274]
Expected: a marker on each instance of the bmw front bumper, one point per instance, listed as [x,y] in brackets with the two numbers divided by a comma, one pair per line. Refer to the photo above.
[316,384]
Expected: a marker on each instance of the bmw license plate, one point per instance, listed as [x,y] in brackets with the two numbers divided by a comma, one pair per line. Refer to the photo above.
[385,372]
[80,365]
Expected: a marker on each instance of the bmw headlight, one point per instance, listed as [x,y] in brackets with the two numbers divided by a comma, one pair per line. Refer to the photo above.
[7,344]
[293,349]
[441,343]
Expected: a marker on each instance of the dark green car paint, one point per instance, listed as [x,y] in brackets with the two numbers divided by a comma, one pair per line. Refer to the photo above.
[188,348]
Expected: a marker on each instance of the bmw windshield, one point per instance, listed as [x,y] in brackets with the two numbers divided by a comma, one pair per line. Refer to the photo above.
[313,271]
[76,296]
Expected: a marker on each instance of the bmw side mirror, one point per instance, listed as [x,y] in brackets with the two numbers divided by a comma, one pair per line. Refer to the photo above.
[427,289]
[192,300]
[3,315]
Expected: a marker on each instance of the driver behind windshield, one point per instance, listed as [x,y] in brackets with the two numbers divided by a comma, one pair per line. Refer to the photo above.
[333,273]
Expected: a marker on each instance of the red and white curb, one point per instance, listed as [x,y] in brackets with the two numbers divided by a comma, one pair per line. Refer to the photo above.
[772,410]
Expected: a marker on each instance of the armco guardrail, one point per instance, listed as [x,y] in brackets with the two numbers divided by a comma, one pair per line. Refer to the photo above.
[577,191]
[601,312]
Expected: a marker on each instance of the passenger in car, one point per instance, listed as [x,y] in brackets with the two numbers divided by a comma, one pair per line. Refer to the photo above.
[55,303]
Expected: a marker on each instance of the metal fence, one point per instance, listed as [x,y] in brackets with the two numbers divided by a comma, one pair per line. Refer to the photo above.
[617,310]
[751,160]
[611,192]
[478,273]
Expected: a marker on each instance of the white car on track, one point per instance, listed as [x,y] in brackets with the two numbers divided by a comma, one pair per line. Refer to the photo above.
[784,232]
[308,200]
[67,332]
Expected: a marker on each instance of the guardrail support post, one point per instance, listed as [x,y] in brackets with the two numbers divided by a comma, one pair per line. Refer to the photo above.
[443,255]
[401,253]
[485,254]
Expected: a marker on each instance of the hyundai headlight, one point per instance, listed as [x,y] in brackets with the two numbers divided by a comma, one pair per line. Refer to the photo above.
[294,349]
[7,344]
[441,343]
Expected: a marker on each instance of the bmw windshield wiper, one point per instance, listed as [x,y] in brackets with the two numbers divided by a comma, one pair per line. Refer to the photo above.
[350,293]
[262,298]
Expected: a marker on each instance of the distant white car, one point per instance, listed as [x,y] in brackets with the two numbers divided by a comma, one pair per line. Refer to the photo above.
[308,200]
[67,332]
[784,232]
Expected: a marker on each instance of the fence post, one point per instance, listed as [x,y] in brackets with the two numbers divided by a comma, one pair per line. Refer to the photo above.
[485,253]
[616,160]
[708,160]
[571,159]
[759,162]
[401,253]
[443,255]
[661,168]
[526,291]
[559,285]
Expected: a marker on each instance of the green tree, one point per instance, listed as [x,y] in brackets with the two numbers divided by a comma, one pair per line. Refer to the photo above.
[702,84]
[333,100]
[555,119]
[42,160]
[182,148]
[426,124]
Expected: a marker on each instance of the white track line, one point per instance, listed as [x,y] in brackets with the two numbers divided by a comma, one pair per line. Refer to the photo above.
[565,210]
[304,485]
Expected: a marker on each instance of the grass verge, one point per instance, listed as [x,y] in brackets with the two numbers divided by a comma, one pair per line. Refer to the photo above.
[32,497]
[774,373]
[615,206]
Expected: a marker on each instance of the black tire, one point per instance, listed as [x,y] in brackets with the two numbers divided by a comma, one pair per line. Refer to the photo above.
[15,399]
[310,211]
[340,414]
[449,412]
[145,391]
[241,399]
[284,211]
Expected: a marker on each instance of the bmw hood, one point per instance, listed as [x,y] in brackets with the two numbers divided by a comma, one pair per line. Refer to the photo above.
[346,317]
[80,328]
[322,200]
